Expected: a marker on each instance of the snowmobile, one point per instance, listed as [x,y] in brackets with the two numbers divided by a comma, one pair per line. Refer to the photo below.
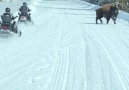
[6,29]
[24,18]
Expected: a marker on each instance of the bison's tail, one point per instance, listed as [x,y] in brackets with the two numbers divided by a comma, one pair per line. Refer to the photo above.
[97,9]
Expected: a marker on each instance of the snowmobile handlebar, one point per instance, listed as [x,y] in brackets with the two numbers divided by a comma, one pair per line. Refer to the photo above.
[14,17]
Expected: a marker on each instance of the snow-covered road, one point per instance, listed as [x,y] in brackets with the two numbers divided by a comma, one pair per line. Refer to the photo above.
[66,50]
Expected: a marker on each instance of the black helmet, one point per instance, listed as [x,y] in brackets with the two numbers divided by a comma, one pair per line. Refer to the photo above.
[7,9]
[24,3]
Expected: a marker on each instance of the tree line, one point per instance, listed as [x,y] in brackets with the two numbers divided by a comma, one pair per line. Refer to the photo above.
[124,3]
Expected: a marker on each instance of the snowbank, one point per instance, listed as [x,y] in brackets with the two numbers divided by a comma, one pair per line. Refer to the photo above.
[123,16]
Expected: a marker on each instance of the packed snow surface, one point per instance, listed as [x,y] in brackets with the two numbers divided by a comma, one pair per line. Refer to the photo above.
[65,49]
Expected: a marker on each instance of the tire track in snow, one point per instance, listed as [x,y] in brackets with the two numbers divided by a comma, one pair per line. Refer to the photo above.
[109,54]
[59,61]
[76,76]
[121,65]
[118,59]
[60,77]
[93,63]
[89,60]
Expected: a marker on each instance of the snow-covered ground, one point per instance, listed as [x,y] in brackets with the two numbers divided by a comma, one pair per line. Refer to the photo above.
[65,49]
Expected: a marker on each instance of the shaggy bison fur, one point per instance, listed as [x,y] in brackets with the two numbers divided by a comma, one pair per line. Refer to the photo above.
[108,11]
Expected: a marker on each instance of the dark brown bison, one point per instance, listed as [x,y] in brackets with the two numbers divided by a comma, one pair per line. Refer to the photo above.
[108,11]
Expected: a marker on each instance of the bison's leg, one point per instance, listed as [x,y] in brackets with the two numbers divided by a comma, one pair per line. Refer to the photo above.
[108,19]
[97,16]
[97,20]
[114,19]
[101,20]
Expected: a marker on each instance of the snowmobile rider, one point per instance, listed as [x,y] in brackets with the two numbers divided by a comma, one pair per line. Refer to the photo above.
[24,11]
[8,18]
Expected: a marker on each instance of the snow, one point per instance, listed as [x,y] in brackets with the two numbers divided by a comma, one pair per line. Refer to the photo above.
[65,49]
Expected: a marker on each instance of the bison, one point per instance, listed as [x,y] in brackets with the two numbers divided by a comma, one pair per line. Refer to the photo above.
[108,11]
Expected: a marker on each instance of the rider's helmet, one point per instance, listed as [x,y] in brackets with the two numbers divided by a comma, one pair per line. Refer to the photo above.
[7,9]
[24,3]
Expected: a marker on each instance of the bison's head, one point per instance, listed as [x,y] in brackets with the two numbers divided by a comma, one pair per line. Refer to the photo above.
[114,9]
[118,6]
